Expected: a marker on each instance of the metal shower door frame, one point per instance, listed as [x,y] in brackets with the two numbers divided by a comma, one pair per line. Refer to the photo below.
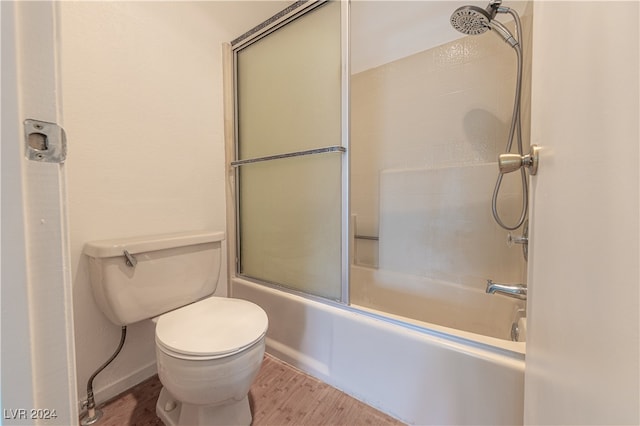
[291,13]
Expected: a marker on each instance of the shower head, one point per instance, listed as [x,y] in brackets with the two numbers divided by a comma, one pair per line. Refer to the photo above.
[470,20]
[473,20]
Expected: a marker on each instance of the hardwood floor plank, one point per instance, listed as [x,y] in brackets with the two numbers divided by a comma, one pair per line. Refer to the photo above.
[281,395]
[271,388]
[137,406]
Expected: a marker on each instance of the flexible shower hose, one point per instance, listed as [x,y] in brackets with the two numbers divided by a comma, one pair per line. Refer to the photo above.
[514,128]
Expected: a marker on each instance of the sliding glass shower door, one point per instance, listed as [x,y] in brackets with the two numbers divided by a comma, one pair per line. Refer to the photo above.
[290,161]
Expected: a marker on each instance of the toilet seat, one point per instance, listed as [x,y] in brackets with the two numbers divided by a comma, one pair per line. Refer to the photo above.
[212,328]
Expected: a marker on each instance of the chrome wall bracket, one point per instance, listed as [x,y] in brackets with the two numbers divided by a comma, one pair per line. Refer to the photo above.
[522,239]
[508,163]
[44,141]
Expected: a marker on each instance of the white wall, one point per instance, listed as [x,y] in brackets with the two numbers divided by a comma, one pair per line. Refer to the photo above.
[142,100]
[583,341]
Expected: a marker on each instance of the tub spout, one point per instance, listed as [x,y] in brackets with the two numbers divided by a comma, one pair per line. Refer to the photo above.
[518,291]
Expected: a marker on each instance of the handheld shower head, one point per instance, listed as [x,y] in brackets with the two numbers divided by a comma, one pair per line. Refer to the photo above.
[503,32]
[473,20]
[470,20]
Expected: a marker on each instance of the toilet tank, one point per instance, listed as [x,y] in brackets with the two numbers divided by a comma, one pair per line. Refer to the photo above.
[171,270]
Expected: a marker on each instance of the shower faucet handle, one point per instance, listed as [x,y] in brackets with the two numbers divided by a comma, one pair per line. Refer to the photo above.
[508,163]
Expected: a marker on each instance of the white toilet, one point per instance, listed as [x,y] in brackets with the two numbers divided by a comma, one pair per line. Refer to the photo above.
[208,349]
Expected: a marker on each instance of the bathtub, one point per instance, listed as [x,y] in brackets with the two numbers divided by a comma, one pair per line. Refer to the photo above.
[417,372]
[439,303]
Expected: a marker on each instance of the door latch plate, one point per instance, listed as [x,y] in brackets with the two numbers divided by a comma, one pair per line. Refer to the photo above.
[44,141]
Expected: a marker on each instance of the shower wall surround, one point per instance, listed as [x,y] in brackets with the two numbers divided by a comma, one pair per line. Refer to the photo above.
[426,131]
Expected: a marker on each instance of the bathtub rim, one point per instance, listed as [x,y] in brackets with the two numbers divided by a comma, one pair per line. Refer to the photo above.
[475,342]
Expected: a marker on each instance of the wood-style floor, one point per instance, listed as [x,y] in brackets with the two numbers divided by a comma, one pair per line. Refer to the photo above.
[280,395]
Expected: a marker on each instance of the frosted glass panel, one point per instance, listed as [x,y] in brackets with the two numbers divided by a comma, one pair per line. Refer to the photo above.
[290,223]
[288,87]
[288,93]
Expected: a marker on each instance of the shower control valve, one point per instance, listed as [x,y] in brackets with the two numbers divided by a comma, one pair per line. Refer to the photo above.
[508,163]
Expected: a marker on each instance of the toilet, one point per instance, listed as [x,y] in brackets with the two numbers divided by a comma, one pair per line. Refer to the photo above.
[208,349]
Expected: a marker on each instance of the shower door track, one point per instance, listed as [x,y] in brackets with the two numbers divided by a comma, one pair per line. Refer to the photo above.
[278,20]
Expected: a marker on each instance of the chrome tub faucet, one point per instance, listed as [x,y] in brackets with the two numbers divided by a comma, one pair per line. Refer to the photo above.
[517,291]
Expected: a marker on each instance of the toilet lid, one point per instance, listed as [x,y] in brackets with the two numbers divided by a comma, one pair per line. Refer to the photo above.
[211,327]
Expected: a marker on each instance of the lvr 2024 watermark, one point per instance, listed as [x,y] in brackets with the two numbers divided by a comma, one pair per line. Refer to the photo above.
[29,414]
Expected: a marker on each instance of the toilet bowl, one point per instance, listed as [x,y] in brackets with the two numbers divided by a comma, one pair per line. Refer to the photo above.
[207,368]
[208,349]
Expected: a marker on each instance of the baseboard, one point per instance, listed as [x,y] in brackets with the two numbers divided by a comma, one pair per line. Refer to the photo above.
[114,389]
[298,359]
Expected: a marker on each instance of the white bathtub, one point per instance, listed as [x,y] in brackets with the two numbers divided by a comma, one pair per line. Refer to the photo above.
[456,306]
[420,373]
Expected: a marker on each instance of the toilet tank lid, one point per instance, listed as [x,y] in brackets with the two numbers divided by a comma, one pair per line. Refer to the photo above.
[140,244]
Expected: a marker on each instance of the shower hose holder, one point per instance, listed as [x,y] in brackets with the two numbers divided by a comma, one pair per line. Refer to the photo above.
[508,163]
